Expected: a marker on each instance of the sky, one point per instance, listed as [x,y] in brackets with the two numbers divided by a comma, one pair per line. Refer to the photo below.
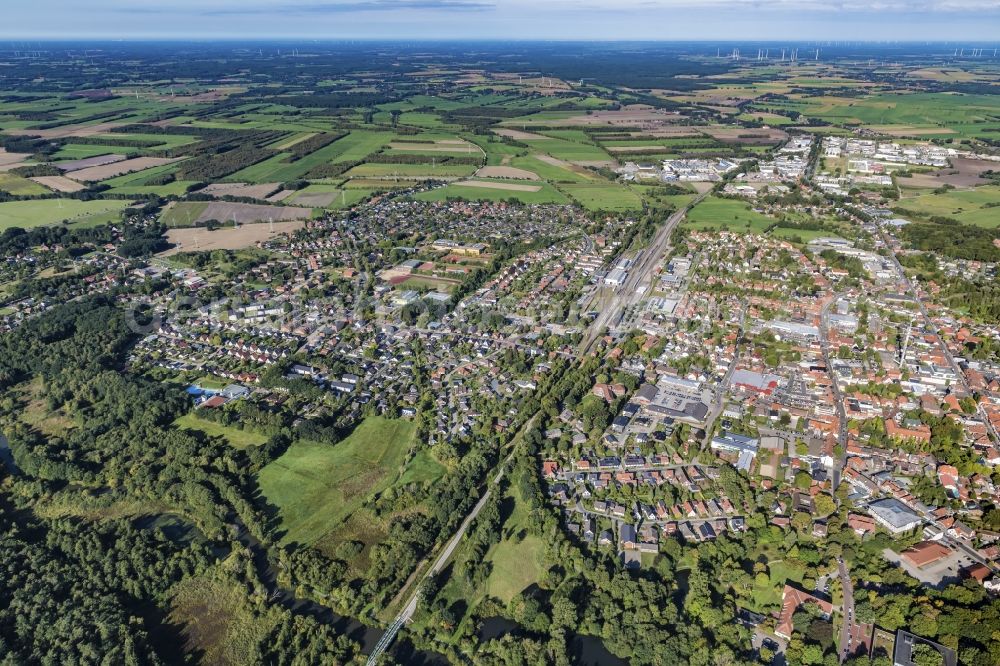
[868,20]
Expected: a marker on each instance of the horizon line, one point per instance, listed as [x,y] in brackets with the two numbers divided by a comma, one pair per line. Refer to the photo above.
[476,40]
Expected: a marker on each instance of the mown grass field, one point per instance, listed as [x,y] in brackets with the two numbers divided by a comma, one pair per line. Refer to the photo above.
[42,212]
[603,196]
[315,485]
[517,560]
[718,214]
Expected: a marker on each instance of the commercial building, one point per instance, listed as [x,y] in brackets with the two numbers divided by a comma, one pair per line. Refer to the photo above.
[893,515]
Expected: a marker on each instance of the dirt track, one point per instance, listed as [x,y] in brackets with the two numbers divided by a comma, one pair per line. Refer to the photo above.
[513,187]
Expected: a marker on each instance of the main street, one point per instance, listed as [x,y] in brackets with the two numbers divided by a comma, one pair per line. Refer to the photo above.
[723,389]
[824,339]
[928,322]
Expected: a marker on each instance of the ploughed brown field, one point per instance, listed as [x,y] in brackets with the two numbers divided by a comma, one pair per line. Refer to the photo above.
[227,238]
[106,171]
[58,183]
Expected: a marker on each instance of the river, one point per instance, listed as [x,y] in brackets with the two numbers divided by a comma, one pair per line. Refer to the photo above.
[586,650]
[7,457]
[368,637]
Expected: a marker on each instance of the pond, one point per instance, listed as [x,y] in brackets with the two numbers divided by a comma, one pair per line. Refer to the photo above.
[590,651]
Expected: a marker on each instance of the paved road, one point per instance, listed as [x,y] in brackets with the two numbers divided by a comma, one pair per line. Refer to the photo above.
[824,337]
[944,347]
[846,628]
[720,394]
[639,275]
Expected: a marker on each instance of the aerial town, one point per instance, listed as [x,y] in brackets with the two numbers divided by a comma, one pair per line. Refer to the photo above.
[508,370]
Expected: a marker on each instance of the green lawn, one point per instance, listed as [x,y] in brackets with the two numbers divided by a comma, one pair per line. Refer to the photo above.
[716,214]
[316,485]
[236,438]
[41,212]
[422,469]
[518,558]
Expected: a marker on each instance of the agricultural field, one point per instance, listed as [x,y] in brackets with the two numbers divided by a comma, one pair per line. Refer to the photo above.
[978,207]
[188,239]
[605,196]
[528,192]
[553,170]
[41,212]
[427,171]
[20,186]
[186,214]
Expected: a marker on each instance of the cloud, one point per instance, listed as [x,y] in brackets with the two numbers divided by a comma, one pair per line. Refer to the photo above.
[308,8]
[569,7]
[505,19]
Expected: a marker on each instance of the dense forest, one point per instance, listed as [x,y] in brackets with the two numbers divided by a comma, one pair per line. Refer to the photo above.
[80,584]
